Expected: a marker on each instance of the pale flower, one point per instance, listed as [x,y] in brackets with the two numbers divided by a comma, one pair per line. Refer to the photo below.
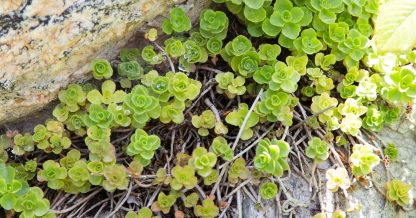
[337,178]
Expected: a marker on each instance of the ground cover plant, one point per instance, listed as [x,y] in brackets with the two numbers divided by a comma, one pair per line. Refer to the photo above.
[231,106]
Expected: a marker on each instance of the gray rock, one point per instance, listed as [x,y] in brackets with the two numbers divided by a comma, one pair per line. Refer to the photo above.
[45,45]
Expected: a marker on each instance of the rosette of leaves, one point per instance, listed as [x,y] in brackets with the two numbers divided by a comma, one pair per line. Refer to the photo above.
[229,85]
[337,178]
[299,63]
[263,74]
[165,202]
[75,123]
[79,176]
[191,200]
[367,89]
[351,109]
[70,159]
[142,106]
[308,42]
[317,149]
[373,119]
[337,33]
[72,97]
[325,62]
[284,78]
[174,47]
[322,103]
[150,56]
[204,122]
[246,64]
[363,160]
[268,190]
[271,156]
[60,112]
[142,213]
[178,21]
[158,85]
[98,116]
[269,52]
[132,70]
[323,84]
[275,106]
[96,169]
[401,86]
[346,91]
[101,151]
[173,112]
[96,133]
[238,171]
[354,45]
[221,148]
[213,24]
[183,177]
[203,161]
[236,118]
[108,94]
[351,124]
[354,75]
[115,177]
[240,45]
[214,46]
[162,177]
[53,174]
[11,188]
[208,209]
[182,87]
[22,144]
[143,146]
[193,54]
[198,38]
[328,10]
[211,178]
[55,144]
[120,115]
[391,151]
[32,204]
[398,192]
[390,113]
[289,18]
[129,54]
[101,69]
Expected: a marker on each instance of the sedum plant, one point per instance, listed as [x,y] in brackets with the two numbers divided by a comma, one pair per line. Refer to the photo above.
[115,177]
[143,146]
[53,174]
[363,160]
[275,105]
[229,85]
[32,204]
[401,86]
[178,21]
[238,171]
[236,118]
[221,148]
[213,24]
[129,54]
[317,150]
[398,192]
[337,178]
[183,177]
[22,144]
[191,200]
[142,213]
[271,156]
[268,190]
[203,161]
[101,69]
[204,122]
[165,202]
[284,78]
[208,209]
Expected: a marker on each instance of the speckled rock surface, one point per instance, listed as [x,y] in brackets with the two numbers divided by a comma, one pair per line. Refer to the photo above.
[44,44]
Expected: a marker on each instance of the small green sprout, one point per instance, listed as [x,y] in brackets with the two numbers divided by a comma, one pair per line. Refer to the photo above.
[174,47]
[317,150]
[275,105]
[240,45]
[367,89]
[238,171]
[337,178]
[178,21]
[143,146]
[246,64]
[75,123]
[191,200]
[211,178]
[10,187]
[162,177]
[203,161]
[98,134]
[271,156]
[52,173]
[173,112]
[101,69]
[398,192]
[268,190]
[391,151]
[208,209]
[236,118]
[165,202]
[204,122]
[142,213]
[55,144]
[79,174]
[363,160]
[193,53]
[299,63]
[130,69]
[32,204]
[269,52]
[263,74]
[285,78]
[221,148]
[390,113]
[129,54]
[70,159]
[401,86]
[214,46]
[115,177]
[183,177]
[22,144]
[98,116]
[120,115]
[213,24]
[150,56]
[325,62]
[373,119]
[60,112]
[354,45]
[346,91]
[308,42]
[72,97]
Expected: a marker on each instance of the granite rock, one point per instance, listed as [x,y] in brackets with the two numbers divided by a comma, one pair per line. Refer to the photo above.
[45,45]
